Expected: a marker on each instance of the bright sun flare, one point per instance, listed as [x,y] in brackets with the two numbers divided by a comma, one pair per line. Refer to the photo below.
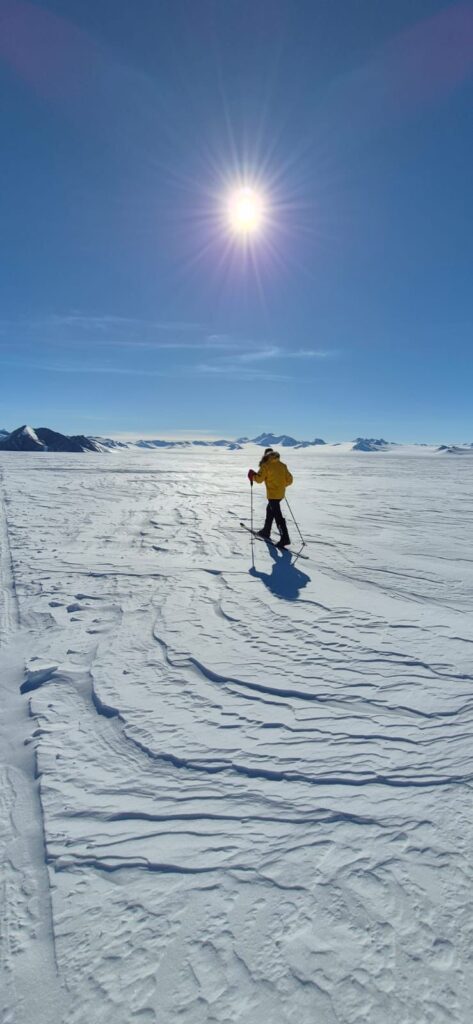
[245,210]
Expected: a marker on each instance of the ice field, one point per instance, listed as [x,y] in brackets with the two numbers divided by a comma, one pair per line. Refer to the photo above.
[236,785]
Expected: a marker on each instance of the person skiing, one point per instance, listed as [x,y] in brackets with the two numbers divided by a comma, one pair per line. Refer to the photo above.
[277,477]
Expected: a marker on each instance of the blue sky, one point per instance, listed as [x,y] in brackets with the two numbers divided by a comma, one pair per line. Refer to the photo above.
[128,306]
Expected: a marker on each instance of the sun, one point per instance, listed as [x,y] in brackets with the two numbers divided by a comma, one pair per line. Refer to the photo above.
[246,211]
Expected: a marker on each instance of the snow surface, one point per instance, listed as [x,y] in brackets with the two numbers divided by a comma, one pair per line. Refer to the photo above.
[244,793]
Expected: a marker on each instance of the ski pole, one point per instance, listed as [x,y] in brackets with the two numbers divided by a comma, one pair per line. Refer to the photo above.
[252,528]
[296,524]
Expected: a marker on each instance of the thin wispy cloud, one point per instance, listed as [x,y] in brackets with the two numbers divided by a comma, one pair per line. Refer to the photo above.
[109,331]
[257,355]
[107,322]
[241,365]
[68,343]
[275,352]
[223,341]
[313,354]
[238,372]
[124,371]
[86,322]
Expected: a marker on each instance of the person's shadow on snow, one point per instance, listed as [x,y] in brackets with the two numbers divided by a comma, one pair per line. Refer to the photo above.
[286,580]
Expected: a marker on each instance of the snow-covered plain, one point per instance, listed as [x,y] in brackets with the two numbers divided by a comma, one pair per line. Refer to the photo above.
[236,788]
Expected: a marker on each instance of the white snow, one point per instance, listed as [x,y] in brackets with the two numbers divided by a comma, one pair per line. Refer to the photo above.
[29,432]
[254,775]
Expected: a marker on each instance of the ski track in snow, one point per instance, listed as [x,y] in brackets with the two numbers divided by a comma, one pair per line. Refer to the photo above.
[255,776]
[30,988]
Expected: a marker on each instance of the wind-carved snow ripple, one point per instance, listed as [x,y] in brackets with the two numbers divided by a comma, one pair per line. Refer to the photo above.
[244,740]
[317,702]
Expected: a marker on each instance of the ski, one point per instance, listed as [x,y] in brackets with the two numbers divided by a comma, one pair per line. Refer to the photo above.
[267,540]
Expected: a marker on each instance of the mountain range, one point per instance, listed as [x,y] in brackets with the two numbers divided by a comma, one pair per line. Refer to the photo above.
[42,439]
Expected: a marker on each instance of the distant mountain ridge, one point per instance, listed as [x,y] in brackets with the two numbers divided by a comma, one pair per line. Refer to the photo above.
[370,444]
[456,449]
[42,439]
[283,440]
[26,438]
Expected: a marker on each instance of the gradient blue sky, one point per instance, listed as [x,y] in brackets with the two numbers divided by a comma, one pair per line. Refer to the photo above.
[127,307]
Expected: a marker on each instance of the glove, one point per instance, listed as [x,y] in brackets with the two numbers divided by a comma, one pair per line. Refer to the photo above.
[251,474]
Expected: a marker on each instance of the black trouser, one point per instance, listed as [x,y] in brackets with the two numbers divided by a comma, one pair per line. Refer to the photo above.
[273,512]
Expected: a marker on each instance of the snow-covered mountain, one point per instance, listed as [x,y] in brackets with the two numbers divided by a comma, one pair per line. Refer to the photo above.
[231,445]
[370,444]
[267,440]
[310,444]
[42,439]
[456,449]
[29,439]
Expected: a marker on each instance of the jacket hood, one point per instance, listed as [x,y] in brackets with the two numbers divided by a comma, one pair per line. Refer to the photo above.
[270,457]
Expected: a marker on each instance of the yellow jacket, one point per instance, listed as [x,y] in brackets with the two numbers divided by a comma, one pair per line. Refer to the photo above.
[275,475]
